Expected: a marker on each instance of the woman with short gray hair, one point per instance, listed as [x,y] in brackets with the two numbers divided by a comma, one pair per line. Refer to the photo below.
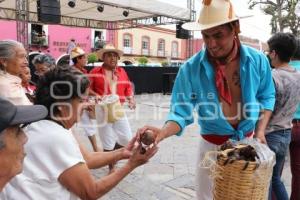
[13,58]
[43,63]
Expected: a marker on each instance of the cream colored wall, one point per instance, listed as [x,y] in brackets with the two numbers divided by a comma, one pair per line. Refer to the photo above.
[154,36]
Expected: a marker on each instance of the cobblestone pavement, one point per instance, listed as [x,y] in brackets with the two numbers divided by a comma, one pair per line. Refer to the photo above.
[170,174]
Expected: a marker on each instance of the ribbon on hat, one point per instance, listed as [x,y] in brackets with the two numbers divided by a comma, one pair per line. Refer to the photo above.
[207,2]
[230,12]
[230,9]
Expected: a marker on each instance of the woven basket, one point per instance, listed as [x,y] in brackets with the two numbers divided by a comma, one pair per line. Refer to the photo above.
[236,181]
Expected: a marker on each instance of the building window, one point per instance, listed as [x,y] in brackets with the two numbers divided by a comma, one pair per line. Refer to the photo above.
[127,40]
[161,48]
[38,35]
[99,41]
[127,43]
[174,49]
[145,45]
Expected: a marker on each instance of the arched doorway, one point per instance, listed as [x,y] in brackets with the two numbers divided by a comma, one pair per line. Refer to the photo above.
[127,62]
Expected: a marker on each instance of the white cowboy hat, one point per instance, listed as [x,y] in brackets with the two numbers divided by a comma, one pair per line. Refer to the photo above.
[77,51]
[109,48]
[213,13]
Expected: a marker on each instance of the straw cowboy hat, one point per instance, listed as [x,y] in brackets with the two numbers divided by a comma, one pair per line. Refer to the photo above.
[77,51]
[213,13]
[109,48]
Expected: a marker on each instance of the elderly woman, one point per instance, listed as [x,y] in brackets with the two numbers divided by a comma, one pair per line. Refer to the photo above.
[13,58]
[56,166]
[42,64]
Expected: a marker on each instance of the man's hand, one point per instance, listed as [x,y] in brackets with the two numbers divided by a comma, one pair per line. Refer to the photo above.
[131,103]
[158,135]
[264,117]
[260,135]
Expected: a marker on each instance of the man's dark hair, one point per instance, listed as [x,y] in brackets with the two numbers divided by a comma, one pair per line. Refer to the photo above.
[284,44]
[296,55]
[60,84]
[75,60]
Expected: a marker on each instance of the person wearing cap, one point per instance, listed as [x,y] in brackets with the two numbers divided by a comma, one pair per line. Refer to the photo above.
[13,58]
[13,138]
[228,84]
[87,122]
[110,79]
[57,166]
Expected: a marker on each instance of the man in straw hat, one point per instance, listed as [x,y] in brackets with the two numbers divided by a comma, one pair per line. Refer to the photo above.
[87,122]
[12,137]
[110,79]
[229,84]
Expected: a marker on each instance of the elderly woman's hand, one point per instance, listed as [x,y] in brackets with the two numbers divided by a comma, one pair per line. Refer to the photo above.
[138,158]
[91,111]
[127,151]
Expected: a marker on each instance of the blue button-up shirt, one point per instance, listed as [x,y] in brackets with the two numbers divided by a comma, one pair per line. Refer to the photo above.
[195,89]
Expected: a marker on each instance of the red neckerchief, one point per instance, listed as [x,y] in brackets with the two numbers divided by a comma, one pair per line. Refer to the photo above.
[220,78]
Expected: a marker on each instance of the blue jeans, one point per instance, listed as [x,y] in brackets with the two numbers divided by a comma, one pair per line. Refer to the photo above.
[278,142]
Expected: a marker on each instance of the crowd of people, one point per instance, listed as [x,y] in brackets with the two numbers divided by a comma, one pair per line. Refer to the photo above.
[257,95]
[57,164]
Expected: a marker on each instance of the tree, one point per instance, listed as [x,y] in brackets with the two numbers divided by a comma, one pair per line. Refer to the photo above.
[143,61]
[164,63]
[282,12]
[92,58]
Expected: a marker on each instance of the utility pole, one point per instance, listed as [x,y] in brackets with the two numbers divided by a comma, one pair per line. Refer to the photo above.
[22,17]
[190,41]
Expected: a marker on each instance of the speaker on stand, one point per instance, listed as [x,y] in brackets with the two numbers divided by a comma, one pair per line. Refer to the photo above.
[182,33]
[48,11]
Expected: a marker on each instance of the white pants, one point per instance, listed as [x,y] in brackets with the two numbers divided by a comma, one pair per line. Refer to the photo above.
[88,125]
[118,131]
[204,183]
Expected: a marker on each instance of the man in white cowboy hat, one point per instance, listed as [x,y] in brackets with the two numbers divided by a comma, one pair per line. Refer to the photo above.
[228,84]
[87,122]
[110,79]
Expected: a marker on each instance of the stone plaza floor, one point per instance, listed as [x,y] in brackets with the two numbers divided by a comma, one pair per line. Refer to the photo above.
[170,174]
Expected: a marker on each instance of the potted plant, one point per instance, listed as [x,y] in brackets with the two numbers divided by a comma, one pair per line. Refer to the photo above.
[143,61]
[92,58]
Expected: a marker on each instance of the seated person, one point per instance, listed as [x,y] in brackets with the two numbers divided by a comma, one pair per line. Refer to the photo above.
[13,58]
[57,167]
[12,137]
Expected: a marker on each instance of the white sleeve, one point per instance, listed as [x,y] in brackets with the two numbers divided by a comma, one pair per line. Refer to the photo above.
[51,151]
[65,154]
